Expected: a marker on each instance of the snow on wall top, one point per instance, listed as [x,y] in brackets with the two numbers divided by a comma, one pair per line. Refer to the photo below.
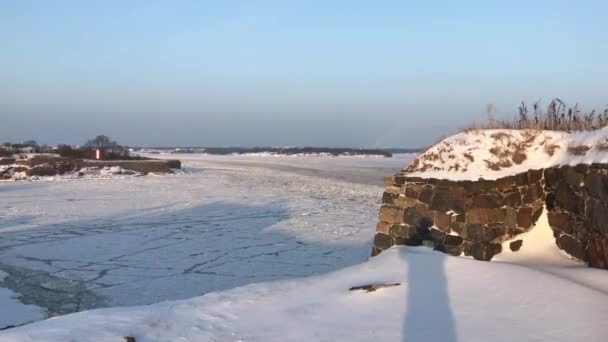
[496,153]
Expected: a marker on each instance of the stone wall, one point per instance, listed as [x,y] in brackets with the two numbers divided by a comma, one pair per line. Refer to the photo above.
[577,204]
[476,217]
[458,217]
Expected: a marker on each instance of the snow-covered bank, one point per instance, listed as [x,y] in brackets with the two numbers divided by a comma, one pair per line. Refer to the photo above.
[496,153]
[440,299]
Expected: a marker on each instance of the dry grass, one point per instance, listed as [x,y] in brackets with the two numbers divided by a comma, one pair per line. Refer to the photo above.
[556,117]
[579,150]
[550,149]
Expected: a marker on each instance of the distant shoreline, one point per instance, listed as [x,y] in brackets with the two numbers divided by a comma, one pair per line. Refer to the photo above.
[330,151]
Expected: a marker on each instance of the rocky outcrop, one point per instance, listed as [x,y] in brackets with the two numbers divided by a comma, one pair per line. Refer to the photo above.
[476,217]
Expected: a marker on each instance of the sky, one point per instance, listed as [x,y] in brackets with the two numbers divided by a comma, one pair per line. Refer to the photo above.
[275,73]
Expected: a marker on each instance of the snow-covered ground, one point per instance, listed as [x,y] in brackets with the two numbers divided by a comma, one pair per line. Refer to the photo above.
[229,221]
[249,221]
[440,298]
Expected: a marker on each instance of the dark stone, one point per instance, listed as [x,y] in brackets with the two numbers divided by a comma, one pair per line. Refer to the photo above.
[550,201]
[505,183]
[572,246]
[560,222]
[516,245]
[512,199]
[521,179]
[375,251]
[425,195]
[524,217]
[440,200]
[437,235]
[572,177]
[412,191]
[535,175]
[454,240]
[389,198]
[486,201]
[383,241]
[596,185]
[597,252]
[552,177]
[597,216]
[129,338]
[534,192]
[483,251]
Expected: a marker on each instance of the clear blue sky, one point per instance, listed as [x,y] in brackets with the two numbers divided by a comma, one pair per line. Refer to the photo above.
[352,73]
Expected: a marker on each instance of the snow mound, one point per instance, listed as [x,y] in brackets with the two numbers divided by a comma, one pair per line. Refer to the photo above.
[496,153]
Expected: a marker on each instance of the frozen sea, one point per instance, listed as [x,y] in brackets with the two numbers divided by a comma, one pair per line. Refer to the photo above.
[73,245]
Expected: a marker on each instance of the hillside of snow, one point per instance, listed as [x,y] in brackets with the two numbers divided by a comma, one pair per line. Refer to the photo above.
[496,153]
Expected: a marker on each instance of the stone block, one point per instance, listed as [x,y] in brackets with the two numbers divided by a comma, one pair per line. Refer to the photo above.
[572,246]
[443,221]
[483,251]
[512,199]
[596,185]
[383,227]
[487,201]
[391,214]
[524,217]
[383,241]
[560,222]
[516,245]
[389,198]
[598,252]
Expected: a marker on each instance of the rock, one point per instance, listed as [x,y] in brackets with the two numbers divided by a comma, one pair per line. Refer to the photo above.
[483,251]
[443,221]
[129,338]
[440,200]
[572,246]
[437,235]
[567,199]
[598,252]
[597,185]
[383,241]
[391,214]
[383,227]
[534,192]
[597,216]
[524,217]
[426,194]
[42,170]
[512,199]
[389,198]
[516,245]
[403,230]
[560,222]
[486,201]
[373,287]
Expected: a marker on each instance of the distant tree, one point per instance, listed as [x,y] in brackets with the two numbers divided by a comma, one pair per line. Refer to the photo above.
[101,142]
[31,143]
